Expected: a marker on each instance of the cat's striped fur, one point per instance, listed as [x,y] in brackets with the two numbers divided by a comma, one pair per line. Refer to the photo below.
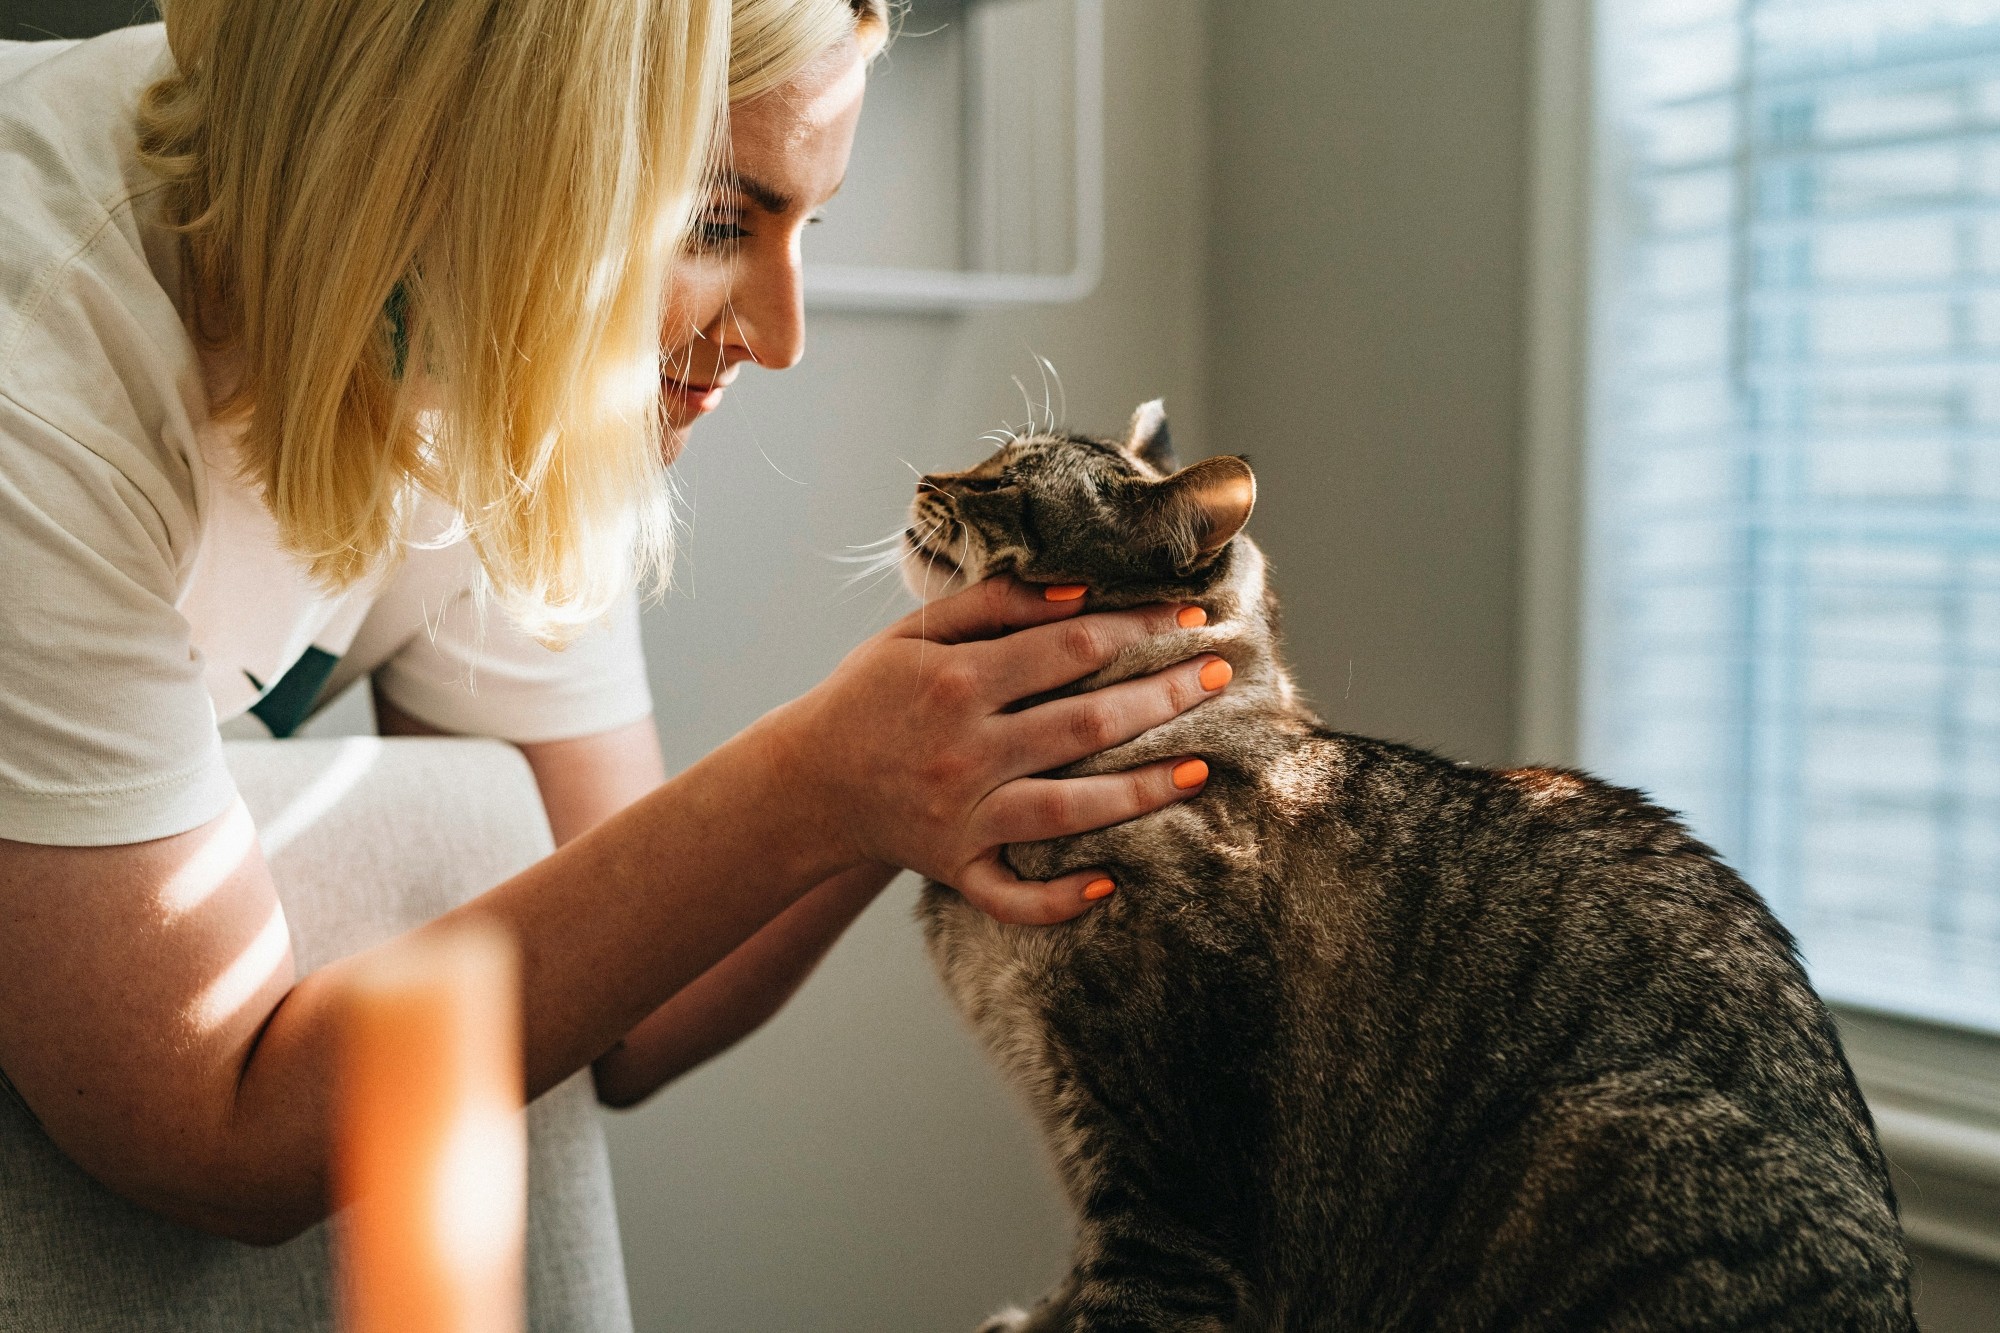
[1369,1040]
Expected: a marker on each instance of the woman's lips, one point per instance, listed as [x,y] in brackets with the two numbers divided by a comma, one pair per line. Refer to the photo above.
[693,399]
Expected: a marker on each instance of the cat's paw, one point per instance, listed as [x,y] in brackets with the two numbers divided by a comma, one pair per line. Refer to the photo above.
[1010,1320]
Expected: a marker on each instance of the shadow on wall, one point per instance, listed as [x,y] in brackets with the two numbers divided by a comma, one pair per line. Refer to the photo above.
[37,20]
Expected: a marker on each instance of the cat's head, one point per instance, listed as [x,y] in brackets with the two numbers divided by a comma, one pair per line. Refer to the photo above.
[1114,515]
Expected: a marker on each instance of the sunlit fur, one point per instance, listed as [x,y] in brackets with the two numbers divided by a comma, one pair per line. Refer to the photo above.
[1369,1040]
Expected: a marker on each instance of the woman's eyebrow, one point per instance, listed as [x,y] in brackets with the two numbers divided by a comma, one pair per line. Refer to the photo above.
[765,195]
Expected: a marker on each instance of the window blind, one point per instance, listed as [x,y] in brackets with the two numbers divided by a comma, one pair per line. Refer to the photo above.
[1793,600]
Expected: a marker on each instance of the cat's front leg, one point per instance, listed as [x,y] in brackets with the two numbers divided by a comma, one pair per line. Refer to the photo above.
[1123,1291]
[1046,1317]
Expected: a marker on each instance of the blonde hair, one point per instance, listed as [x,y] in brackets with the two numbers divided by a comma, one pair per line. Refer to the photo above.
[771,40]
[480,197]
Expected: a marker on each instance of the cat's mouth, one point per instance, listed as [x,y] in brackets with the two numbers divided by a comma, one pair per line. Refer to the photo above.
[931,569]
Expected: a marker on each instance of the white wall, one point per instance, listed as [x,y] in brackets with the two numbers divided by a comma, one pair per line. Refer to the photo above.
[855,1166]
[1366,246]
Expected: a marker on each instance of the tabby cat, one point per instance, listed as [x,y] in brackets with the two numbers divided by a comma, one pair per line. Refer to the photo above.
[1370,1040]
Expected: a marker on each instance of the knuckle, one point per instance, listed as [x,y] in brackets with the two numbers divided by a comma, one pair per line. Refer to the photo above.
[1093,728]
[1184,689]
[1053,808]
[1083,642]
[954,683]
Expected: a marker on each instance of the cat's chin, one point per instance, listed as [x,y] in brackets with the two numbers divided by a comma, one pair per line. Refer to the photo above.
[929,578]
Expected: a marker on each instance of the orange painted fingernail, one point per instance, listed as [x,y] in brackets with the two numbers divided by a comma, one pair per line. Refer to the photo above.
[1217,674]
[1190,773]
[1191,617]
[1064,592]
[1098,888]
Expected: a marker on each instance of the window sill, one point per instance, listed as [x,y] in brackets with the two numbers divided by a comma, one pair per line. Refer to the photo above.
[1935,1094]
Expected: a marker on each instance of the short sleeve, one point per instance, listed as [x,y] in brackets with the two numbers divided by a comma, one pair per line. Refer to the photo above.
[478,674]
[107,733]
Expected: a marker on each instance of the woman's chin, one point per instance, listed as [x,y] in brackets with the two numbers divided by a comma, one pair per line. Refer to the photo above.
[674,438]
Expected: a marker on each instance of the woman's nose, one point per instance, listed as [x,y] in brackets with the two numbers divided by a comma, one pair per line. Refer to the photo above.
[770,312]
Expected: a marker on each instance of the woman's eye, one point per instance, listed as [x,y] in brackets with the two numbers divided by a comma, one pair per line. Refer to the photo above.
[715,234]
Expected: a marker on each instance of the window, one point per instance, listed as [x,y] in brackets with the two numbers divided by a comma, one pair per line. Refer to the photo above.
[1792,611]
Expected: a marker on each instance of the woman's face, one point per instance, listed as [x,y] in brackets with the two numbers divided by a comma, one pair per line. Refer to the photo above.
[736,294]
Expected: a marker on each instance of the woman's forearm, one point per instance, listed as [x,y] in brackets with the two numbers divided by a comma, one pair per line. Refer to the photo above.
[585,782]
[739,994]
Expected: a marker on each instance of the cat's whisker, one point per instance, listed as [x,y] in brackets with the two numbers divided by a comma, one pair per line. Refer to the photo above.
[1062,394]
[1048,409]
[1026,402]
[871,558]
[859,585]
[880,557]
[868,563]
[893,537]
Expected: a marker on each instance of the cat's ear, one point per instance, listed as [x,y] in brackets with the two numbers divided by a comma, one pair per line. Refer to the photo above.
[1208,503]
[1148,440]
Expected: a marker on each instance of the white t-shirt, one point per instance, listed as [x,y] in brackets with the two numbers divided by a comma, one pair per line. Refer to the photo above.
[144,598]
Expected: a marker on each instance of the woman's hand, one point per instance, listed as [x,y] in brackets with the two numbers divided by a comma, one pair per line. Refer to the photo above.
[918,761]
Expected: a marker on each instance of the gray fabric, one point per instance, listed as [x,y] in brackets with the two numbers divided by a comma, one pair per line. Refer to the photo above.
[366,838]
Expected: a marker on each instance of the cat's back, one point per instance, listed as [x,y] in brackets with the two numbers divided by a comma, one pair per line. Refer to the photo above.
[1578,1065]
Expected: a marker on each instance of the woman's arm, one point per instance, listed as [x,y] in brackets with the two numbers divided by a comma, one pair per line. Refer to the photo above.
[152,1016]
[739,994]
[587,780]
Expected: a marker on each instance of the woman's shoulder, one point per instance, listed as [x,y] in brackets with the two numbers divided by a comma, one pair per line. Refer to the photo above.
[92,346]
[66,128]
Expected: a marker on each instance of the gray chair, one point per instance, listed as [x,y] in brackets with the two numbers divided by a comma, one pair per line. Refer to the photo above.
[366,838]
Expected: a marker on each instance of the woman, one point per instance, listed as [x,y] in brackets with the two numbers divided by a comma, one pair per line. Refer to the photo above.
[229,307]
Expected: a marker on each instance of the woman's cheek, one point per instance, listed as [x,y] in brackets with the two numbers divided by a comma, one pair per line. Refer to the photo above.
[696,295]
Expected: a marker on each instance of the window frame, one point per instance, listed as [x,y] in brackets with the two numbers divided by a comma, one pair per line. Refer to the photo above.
[1934,1089]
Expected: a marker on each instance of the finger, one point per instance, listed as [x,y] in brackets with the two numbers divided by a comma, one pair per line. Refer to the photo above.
[1047,657]
[1006,897]
[1032,809]
[1063,731]
[987,610]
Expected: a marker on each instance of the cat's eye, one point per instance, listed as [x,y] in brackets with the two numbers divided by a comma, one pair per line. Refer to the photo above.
[982,485]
